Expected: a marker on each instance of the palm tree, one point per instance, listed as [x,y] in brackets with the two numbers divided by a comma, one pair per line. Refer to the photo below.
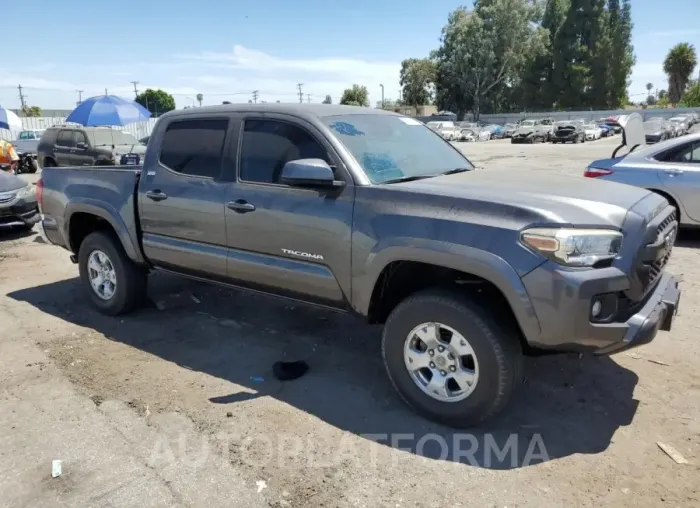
[649,87]
[679,65]
[200,98]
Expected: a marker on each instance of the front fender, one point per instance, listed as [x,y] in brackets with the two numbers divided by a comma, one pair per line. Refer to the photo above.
[108,213]
[458,257]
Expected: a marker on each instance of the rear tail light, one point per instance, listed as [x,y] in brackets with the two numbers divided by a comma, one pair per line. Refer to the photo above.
[40,192]
[596,172]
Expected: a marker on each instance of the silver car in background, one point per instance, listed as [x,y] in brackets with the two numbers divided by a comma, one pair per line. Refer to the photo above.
[681,124]
[670,168]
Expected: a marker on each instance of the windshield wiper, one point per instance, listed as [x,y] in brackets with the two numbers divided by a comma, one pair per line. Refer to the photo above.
[408,178]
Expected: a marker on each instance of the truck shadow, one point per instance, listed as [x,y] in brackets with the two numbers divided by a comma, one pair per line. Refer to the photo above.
[568,404]
[689,238]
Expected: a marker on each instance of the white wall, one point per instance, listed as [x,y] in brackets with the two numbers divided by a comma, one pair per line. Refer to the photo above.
[138,130]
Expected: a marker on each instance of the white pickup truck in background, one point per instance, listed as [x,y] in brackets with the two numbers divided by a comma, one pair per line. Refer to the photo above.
[28,140]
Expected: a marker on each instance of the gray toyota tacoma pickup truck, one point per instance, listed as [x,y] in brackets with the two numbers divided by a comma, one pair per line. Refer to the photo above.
[370,212]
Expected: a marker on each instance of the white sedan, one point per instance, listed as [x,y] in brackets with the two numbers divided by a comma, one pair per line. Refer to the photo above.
[593,132]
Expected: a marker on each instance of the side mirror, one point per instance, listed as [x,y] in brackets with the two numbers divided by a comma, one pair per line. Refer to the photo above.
[309,173]
[81,146]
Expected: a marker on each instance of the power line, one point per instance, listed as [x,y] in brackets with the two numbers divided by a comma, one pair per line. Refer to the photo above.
[136,91]
[301,95]
[255,96]
[21,97]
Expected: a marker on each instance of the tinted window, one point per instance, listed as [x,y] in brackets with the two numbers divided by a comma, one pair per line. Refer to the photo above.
[689,153]
[65,138]
[389,147]
[268,145]
[79,137]
[194,147]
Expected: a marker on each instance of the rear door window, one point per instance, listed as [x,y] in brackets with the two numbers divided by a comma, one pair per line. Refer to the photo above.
[194,147]
[65,139]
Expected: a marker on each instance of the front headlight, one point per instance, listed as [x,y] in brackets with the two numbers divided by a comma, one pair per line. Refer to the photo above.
[574,247]
[26,192]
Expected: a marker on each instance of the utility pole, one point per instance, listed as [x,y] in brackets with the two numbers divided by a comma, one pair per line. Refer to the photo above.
[80,97]
[308,97]
[106,92]
[136,91]
[255,96]
[400,95]
[21,97]
[382,96]
[301,95]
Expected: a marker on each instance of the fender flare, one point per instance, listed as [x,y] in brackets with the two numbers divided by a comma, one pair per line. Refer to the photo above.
[457,257]
[108,213]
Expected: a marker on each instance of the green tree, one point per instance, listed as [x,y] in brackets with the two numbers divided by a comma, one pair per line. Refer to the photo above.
[327,100]
[416,77]
[31,111]
[536,90]
[691,97]
[355,96]
[200,98]
[579,78]
[621,58]
[662,102]
[679,65]
[662,94]
[484,48]
[156,101]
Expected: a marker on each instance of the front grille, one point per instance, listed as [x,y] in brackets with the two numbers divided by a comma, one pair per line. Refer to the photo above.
[656,253]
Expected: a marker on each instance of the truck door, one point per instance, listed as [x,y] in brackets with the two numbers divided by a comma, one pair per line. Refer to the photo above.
[288,240]
[680,173]
[65,143]
[181,198]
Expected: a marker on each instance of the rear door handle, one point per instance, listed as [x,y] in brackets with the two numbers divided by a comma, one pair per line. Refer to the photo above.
[673,171]
[156,195]
[240,206]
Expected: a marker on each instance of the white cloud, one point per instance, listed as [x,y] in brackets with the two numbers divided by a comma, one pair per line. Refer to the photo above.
[217,75]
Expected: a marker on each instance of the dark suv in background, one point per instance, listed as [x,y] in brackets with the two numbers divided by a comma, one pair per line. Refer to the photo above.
[76,145]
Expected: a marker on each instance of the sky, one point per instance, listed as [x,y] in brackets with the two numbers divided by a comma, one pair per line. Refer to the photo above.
[226,50]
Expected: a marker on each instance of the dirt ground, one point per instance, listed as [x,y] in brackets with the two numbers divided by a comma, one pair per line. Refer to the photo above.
[176,405]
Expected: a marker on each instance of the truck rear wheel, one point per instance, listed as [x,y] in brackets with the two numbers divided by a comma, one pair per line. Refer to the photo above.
[114,283]
[449,362]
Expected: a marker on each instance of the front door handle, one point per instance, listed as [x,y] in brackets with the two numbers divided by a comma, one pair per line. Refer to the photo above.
[156,195]
[673,171]
[240,206]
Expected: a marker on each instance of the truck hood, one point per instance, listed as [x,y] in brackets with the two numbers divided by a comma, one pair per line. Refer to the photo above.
[551,198]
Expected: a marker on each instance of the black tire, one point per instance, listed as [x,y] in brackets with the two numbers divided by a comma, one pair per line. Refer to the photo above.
[498,354]
[131,279]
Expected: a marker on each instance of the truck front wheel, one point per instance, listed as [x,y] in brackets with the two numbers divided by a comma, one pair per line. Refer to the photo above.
[447,361]
[114,283]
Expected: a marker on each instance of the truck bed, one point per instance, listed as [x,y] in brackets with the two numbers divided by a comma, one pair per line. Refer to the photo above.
[66,188]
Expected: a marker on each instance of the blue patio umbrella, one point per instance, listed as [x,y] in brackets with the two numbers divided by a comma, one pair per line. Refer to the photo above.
[108,110]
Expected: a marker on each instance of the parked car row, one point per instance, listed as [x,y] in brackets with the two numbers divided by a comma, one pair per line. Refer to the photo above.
[659,129]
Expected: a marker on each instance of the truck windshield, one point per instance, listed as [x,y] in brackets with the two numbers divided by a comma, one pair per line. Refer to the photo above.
[389,147]
[108,137]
